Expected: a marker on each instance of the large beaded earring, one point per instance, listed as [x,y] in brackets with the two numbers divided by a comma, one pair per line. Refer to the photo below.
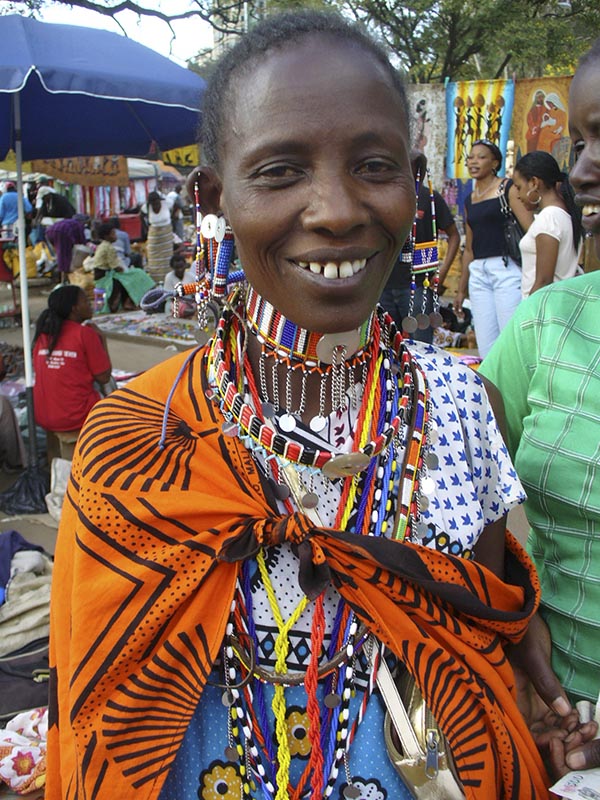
[424,261]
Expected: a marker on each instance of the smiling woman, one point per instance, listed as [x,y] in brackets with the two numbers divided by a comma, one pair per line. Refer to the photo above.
[270,515]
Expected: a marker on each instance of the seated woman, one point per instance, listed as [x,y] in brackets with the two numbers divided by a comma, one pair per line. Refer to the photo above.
[70,356]
[124,286]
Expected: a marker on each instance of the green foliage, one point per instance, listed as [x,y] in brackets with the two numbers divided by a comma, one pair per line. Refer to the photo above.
[430,41]
[446,39]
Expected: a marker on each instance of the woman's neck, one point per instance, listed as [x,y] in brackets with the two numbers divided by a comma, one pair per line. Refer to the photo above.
[300,371]
[484,186]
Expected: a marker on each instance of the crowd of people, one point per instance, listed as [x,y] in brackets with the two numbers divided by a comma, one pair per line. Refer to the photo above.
[299,529]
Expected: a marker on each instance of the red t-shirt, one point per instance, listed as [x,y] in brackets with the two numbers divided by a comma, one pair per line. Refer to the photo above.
[63,393]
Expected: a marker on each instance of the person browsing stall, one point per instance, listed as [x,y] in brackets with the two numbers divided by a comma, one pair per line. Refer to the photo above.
[284,517]
[71,364]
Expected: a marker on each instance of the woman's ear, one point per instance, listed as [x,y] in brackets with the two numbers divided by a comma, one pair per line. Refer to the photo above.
[209,189]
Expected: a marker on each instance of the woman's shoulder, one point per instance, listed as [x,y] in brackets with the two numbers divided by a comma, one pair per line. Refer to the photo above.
[443,369]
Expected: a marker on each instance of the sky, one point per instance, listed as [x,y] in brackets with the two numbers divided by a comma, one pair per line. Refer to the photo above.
[191,35]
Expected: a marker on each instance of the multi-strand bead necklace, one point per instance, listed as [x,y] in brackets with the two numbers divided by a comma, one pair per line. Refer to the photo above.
[381,485]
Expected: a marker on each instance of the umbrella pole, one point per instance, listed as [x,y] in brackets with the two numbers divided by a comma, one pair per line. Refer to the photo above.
[24,288]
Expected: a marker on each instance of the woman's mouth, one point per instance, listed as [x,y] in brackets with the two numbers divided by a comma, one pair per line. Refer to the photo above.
[334,270]
[590,216]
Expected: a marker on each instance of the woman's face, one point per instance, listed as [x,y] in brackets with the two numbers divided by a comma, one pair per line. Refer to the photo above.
[584,126]
[523,186]
[316,181]
[481,162]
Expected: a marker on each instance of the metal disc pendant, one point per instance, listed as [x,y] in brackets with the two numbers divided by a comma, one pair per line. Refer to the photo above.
[409,324]
[432,461]
[421,530]
[201,336]
[227,699]
[230,428]
[317,424]
[231,754]
[346,465]
[428,486]
[282,491]
[329,342]
[351,792]
[268,410]
[435,319]
[310,500]
[432,433]
[287,422]
[423,502]
[422,321]
[332,700]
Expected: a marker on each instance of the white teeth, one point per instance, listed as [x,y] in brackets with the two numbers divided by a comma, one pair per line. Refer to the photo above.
[332,271]
[346,270]
[589,209]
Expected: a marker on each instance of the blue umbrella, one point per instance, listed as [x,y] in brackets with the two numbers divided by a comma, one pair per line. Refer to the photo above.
[71,91]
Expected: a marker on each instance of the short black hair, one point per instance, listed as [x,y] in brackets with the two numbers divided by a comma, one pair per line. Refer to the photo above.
[275,33]
[104,229]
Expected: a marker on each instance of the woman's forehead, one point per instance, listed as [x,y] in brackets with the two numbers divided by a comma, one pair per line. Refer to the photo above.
[308,78]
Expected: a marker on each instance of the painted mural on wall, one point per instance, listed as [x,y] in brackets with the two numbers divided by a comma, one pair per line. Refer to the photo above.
[476,110]
[540,119]
[427,105]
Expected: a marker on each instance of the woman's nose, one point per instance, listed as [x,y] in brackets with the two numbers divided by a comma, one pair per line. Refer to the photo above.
[336,205]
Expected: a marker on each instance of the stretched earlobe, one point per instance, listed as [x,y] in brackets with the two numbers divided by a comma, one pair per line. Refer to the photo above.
[209,187]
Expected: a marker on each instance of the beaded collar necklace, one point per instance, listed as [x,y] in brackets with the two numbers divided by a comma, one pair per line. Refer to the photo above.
[279,334]
[243,418]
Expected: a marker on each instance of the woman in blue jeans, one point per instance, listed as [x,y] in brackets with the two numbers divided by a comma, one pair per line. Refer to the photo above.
[493,278]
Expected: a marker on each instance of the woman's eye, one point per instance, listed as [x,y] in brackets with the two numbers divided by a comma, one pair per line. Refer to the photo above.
[578,148]
[278,172]
[375,167]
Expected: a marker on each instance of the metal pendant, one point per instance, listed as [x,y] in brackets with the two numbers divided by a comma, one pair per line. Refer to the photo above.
[409,324]
[317,424]
[282,491]
[432,461]
[346,465]
[231,754]
[428,486]
[433,434]
[287,422]
[436,320]
[268,410]
[310,500]
[332,700]
[351,792]
[227,699]
[201,336]
[421,529]
[422,321]
[349,341]
[230,429]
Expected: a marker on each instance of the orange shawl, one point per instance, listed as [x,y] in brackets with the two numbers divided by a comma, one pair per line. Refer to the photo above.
[146,565]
